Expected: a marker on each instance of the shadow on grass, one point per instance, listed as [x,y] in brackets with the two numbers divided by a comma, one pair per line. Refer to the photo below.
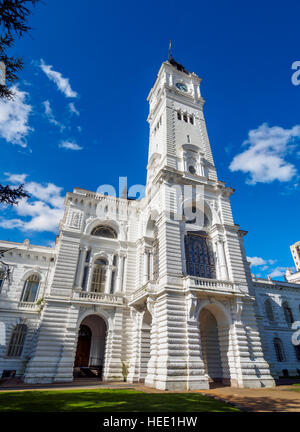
[108,400]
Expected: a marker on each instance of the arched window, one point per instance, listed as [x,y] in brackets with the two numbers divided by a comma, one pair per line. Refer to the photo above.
[199,255]
[99,275]
[279,350]
[30,289]
[2,276]
[104,231]
[17,340]
[287,313]
[269,310]
[297,351]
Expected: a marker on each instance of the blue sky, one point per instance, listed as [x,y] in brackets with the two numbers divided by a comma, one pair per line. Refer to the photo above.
[80,116]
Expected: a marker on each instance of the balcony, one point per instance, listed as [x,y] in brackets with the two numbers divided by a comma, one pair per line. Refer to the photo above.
[98,298]
[210,285]
[141,293]
[27,306]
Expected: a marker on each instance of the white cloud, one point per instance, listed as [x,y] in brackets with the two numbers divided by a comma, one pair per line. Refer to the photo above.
[260,262]
[277,272]
[256,261]
[264,157]
[49,193]
[11,223]
[50,115]
[73,109]
[16,178]
[41,212]
[70,145]
[62,83]
[14,116]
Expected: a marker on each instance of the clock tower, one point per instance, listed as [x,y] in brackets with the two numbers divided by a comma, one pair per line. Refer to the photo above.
[195,283]
[178,135]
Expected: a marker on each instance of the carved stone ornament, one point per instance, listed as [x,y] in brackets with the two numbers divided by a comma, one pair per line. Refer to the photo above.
[75,220]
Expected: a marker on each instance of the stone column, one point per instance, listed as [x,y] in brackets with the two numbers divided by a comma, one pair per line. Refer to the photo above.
[222,259]
[113,347]
[146,269]
[216,256]
[151,375]
[151,265]
[135,360]
[108,279]
[201,165]
[118,284]
[196,376]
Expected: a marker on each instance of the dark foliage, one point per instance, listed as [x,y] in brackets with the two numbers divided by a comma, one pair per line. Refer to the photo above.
[11,195]
[13,16]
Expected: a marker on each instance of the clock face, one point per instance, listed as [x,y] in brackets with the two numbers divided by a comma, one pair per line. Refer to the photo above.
[181,86]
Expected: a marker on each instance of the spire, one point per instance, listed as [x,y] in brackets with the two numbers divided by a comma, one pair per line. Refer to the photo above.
[170,51]
[173,62]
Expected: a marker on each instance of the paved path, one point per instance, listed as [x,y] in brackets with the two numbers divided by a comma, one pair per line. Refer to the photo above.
[280,399]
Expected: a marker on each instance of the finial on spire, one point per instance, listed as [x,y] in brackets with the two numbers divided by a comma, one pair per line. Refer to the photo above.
[170,51]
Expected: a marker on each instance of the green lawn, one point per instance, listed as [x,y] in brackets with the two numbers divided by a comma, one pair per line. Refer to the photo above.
[108,400]
[295,387]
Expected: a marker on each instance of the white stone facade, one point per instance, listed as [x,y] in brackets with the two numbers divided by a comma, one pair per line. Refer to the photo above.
[171,298]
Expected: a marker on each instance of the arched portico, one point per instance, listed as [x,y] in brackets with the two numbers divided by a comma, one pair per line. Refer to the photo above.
[214,322]
[90,350]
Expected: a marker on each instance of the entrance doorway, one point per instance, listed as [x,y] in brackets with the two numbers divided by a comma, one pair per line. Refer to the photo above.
[83,346]
[215,345]
[90,352]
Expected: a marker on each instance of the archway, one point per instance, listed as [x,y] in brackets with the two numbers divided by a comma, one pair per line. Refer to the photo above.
[89,358]
[215,346]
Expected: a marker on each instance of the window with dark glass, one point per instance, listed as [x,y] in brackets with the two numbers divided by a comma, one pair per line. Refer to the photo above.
[185,117]
[191,120]
[88,256]
[17,340]
[30,289]
[178,115]
[297,351]
[279,350]
[192,169]
[85,278]
[199,255]
[269,310]
[2,277]
[287,313]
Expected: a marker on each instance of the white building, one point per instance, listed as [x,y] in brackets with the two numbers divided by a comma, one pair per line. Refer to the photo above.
[294,277]
[136,283]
